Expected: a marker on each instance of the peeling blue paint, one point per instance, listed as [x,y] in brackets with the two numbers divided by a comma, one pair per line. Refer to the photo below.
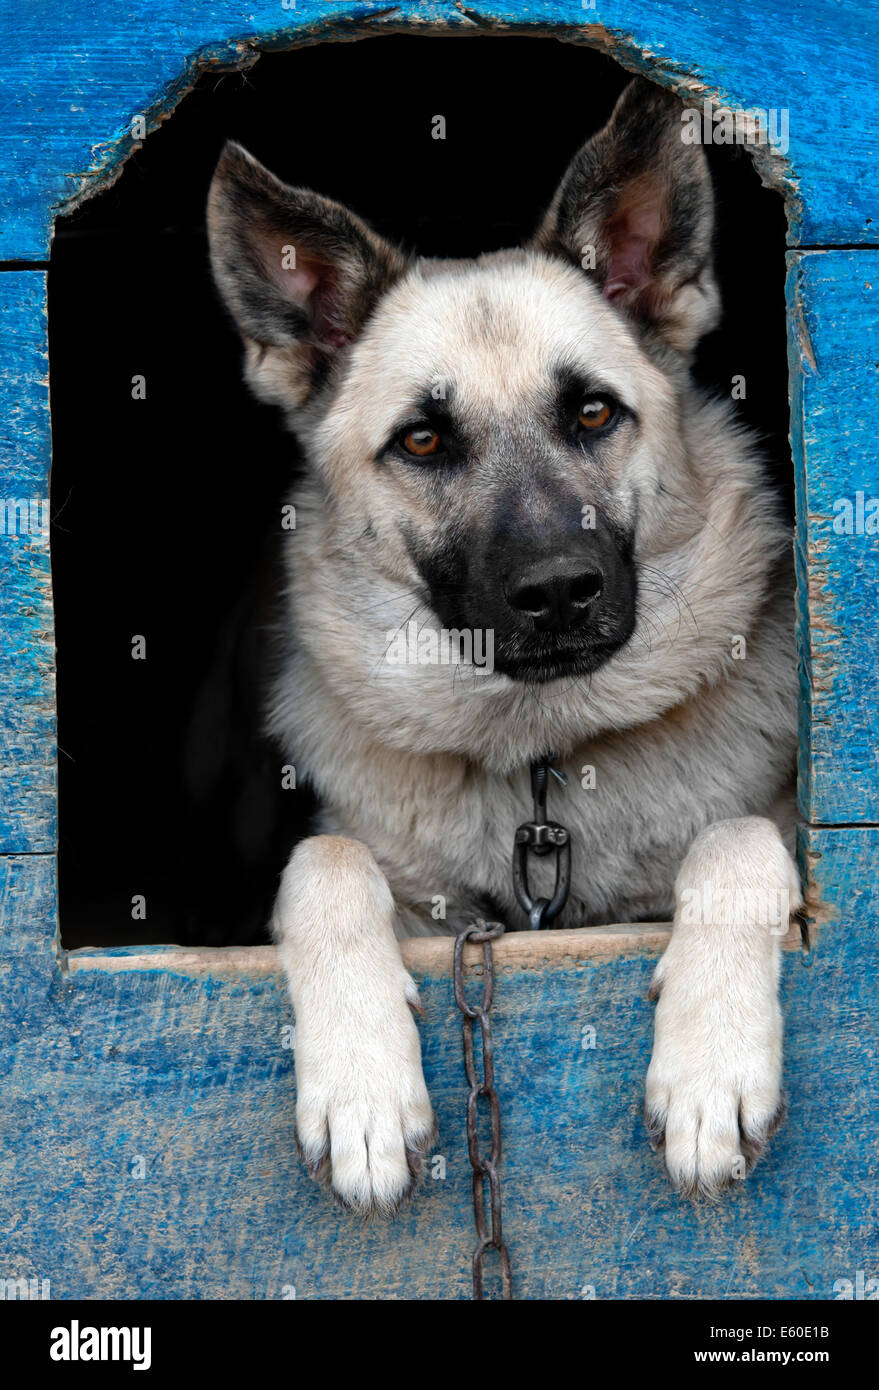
[182,1070]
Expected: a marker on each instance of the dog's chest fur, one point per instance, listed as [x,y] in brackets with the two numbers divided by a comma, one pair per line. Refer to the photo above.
[441,825]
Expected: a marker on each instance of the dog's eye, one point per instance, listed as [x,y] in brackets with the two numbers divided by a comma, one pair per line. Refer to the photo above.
[421,442]
[594,415]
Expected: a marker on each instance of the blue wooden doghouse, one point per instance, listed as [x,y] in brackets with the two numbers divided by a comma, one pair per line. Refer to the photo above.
[147,1094]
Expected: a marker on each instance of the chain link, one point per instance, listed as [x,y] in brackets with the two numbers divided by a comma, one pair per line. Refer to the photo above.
[488,1236]
[541,837]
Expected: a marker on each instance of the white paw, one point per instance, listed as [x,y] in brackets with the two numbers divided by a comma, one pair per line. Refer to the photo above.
[713,1094]
[363,1115]
[714,1083]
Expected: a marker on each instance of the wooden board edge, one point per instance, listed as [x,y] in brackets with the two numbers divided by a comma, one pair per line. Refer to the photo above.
[430,955]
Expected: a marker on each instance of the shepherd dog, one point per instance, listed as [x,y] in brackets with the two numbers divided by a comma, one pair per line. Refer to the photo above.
[509,455]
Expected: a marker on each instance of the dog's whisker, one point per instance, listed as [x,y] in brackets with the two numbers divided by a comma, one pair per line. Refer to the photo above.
[397,597]
[674,588]
[374,670]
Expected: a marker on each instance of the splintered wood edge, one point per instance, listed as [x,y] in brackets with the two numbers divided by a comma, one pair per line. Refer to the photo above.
[425,955]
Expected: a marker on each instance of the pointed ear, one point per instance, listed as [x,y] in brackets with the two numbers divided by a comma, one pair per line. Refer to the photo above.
[299,273]
[635,209]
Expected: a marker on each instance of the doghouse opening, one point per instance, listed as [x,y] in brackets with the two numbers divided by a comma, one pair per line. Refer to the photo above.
[167,478]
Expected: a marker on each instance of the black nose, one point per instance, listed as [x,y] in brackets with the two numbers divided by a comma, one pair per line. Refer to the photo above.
[556,594]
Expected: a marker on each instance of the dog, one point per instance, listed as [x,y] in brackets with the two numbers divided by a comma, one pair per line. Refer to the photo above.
[513,446]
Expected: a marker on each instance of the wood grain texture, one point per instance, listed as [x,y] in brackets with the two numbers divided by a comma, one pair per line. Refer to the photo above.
[177,1061]
[833,331]
[75,73]
[186,1070]
[27,692]
[424,955]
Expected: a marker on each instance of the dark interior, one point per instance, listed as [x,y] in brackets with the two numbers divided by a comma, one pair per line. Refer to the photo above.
[162,506]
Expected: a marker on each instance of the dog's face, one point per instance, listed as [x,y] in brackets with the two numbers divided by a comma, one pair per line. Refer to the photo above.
[497,438]
[491,435]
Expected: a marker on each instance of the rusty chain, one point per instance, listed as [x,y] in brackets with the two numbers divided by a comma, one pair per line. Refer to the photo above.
[541,837]
[487,1238]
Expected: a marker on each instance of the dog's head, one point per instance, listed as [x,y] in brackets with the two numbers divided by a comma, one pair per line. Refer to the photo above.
[491,436]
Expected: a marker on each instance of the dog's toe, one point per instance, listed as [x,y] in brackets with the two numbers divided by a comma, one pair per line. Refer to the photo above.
[702,1145]
[709,1106]
[711,1136]
[655,1113]
[370,1157]
[375,1170]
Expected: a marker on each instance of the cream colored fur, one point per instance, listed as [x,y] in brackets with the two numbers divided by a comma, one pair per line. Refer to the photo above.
[428,765]
[422,771]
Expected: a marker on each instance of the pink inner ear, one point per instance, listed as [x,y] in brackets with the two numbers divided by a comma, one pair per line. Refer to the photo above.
[313,285]
[299,284]
[633,233]
[296,285]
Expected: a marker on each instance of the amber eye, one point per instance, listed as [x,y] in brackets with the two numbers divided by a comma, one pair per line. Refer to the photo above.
[594,414]
[421,442]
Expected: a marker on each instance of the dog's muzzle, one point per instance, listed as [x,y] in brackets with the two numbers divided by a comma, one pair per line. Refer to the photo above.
[556,609]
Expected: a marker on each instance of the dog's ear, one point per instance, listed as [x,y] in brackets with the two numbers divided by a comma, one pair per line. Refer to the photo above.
[299,273]
[635,209]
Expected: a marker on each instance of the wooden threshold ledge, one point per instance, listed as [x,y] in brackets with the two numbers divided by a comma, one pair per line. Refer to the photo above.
[425,955]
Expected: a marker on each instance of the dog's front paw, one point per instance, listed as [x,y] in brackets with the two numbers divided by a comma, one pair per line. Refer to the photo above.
[363,1115]
[714,1082]
[713,1095]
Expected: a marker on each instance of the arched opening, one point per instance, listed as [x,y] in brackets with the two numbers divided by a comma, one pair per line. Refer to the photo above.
[165,491]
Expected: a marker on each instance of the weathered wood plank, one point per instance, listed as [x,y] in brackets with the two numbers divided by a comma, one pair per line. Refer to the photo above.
[73,79]
[187,1070]
[112,1065]
[425,955]
[833,331]
[27,694]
